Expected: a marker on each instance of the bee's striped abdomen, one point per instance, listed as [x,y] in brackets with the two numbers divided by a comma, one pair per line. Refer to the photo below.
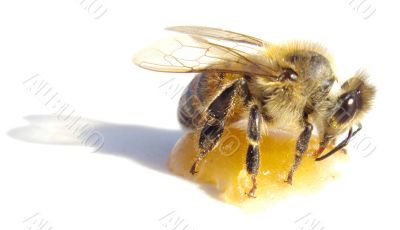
[201,92]
[191,103]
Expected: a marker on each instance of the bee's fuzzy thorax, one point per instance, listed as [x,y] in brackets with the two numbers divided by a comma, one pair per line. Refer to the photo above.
[281,103]
[286,48]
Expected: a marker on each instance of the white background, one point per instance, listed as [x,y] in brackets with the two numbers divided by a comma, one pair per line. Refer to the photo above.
[46,175]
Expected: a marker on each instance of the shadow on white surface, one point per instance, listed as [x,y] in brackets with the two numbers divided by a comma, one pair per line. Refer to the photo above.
[145,145]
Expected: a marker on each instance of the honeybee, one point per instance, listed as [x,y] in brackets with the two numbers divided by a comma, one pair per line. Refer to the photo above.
[268,85]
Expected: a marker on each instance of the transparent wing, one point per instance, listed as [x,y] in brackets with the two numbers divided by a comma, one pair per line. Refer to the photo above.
[194,53]
[202,49]
[217,34]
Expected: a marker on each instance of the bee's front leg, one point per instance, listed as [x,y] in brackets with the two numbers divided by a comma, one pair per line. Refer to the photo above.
[342,144]
[322,145]
[301,148]
[215,120]
[253,152]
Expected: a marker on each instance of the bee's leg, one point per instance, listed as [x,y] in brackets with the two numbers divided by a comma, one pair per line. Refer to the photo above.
[253,153]
[322,146]
[341,145]
[301,147]
[215,120]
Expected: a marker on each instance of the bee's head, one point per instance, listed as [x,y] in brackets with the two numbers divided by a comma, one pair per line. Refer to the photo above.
[354,100]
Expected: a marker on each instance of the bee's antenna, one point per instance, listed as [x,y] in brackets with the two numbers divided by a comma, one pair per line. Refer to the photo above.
[342,144]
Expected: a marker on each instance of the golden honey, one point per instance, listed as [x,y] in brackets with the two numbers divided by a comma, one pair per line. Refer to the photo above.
[225,169]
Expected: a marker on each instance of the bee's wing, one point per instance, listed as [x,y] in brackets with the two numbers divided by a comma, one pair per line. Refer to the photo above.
[218,34]
[195,53]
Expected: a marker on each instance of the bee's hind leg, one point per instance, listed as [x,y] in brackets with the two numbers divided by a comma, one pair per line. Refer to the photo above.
[215,117]
[301,147]
[253,151]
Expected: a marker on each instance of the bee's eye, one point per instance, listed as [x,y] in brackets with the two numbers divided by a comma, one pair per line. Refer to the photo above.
[349,103]
[289,74]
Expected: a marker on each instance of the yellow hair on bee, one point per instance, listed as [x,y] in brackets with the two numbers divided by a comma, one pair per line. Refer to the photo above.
[282,50]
